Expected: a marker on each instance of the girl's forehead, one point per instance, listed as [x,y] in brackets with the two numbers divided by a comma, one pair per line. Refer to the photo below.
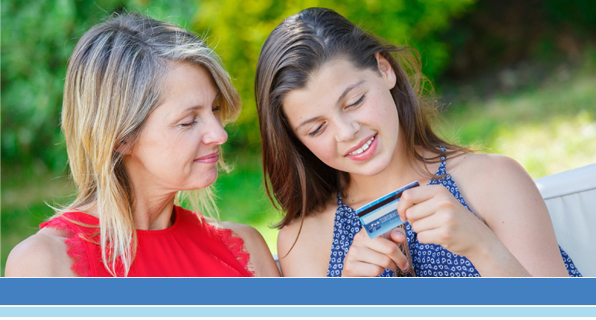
[328,83]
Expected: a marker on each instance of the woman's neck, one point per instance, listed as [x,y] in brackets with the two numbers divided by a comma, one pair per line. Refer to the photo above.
[153,203]
[153,212]
[149,212]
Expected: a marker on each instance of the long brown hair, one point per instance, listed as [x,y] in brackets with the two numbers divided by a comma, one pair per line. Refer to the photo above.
[295,49]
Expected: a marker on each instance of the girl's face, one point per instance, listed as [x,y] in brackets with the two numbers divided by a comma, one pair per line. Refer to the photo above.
[346,116]
[179,146]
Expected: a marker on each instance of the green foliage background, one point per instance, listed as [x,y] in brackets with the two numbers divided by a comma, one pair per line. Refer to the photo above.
[552,106]
[38,37]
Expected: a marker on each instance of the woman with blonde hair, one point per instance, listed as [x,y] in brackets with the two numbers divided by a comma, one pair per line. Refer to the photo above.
[144,107]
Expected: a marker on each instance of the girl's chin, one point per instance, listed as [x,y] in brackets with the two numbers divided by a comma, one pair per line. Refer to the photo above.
[371,170]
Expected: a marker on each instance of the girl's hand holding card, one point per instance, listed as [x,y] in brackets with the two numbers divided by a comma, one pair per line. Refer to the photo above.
[370,257]
[438,217]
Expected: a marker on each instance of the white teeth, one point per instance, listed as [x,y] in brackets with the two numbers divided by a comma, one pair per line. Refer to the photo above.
[363,148]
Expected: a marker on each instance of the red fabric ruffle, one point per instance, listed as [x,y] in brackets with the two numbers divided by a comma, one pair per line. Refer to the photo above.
[75,247]
[236,246]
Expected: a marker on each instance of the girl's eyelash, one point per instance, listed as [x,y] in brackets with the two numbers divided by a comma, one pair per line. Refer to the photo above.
[312,134]
[217,108]
[358,102]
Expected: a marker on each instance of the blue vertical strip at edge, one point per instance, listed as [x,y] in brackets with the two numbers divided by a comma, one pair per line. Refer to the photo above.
[298,291]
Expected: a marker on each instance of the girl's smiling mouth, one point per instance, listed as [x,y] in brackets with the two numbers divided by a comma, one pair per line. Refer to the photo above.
[364,150]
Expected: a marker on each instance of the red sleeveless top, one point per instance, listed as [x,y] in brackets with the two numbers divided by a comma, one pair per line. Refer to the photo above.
[188,248]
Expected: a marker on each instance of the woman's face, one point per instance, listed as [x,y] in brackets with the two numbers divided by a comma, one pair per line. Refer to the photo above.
[346,116]
[179,146]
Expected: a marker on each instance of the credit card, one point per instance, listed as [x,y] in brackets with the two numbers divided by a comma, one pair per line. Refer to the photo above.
[380,216]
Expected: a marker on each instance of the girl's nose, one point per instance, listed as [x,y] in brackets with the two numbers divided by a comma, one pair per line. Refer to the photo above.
[347,129]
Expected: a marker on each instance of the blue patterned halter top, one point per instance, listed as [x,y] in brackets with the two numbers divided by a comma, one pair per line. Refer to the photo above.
[428,260]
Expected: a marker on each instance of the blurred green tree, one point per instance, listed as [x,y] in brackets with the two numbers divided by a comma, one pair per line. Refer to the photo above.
[38,36]
[238,28]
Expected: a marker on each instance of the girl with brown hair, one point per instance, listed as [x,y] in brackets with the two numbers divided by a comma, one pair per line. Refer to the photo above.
[343,122]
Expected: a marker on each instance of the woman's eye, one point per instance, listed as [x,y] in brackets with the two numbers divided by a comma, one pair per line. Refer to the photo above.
[357,102]
[188,124]
[314,133]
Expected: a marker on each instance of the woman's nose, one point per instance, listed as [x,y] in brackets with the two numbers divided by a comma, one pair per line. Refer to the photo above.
[215,134]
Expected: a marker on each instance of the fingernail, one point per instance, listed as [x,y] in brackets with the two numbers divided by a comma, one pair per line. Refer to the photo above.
[406,266]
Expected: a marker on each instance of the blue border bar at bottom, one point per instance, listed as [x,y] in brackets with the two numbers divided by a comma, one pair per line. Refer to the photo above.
[298,291]
[294,311]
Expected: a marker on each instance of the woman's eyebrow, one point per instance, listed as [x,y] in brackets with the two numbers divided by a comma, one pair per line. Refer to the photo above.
[341,97]
[200,106]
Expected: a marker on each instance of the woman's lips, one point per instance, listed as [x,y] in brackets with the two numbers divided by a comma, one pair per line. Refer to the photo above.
[210,158]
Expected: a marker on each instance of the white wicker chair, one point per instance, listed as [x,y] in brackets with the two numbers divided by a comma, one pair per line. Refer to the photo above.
[571,200]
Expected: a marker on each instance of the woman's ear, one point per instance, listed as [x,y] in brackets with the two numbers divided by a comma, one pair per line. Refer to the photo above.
[386,70]
[123,148]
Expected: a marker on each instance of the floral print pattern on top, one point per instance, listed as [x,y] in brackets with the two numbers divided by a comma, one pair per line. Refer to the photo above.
[429,260]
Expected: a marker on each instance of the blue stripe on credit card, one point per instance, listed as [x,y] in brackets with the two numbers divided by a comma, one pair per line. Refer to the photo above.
[380,215]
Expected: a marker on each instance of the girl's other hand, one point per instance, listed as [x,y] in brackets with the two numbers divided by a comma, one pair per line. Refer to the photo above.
[439,218]
[370,257]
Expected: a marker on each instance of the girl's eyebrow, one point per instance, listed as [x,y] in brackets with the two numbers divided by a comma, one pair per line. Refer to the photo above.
[348,89]
[341,97]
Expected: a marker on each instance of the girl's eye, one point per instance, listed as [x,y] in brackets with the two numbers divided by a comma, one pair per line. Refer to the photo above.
[314,133]
[357,102]
[216,108]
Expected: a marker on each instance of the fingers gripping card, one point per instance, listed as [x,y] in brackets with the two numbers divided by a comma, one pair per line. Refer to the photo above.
[380,216]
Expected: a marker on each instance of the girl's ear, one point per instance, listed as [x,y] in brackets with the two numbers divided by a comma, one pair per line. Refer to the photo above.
[386,70]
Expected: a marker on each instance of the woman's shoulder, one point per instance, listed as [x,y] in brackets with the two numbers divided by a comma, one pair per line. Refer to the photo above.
[260,258]
[48,252]
[43,254]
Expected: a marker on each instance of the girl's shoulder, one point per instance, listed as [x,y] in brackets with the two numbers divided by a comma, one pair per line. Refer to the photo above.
[485,180]
[310,226]
[299,243]
[43,254]
[478,168]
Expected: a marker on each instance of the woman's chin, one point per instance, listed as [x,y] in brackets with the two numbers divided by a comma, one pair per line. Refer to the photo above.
[202,182]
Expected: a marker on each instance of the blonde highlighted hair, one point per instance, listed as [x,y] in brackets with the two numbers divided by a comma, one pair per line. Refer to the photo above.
[113,83]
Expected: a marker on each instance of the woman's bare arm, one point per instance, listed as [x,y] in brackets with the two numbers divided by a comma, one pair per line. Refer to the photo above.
[261,260]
